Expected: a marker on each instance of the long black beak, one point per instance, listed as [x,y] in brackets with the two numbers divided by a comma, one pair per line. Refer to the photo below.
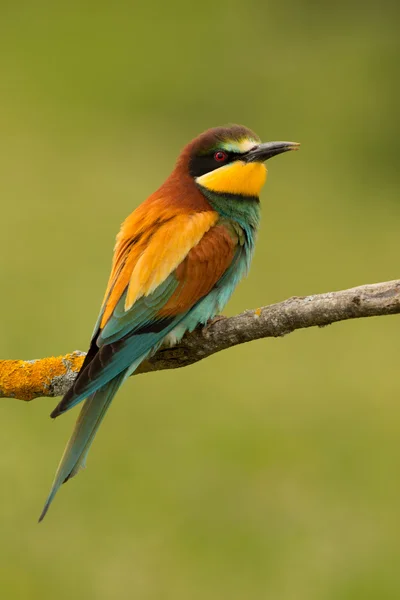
[263,152]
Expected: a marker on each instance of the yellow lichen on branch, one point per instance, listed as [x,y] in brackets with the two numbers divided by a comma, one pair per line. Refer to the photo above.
[28,379]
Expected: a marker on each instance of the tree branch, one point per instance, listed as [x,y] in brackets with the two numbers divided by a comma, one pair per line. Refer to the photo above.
[51,377]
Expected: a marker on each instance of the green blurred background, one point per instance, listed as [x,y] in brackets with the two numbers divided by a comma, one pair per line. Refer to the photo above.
[271,470]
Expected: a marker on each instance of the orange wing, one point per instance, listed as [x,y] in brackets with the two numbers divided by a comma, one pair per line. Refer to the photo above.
[203,266]
[152,243]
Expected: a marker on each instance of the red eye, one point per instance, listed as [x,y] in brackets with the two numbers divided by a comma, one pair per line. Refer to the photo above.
[220,156]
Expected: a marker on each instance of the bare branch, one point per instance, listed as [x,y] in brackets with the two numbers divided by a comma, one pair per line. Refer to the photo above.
[51,377]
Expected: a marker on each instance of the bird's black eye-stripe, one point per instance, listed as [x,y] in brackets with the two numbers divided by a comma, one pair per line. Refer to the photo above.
[200,164]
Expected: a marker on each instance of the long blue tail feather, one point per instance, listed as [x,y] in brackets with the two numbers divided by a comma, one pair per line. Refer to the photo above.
[90,417]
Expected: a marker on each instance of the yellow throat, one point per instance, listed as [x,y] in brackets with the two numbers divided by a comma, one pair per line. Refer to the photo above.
[238,178]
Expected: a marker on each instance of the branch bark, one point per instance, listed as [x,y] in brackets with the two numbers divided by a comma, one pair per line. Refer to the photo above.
[26,380]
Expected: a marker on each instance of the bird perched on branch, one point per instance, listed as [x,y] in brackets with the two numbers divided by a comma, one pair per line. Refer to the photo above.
[178,258]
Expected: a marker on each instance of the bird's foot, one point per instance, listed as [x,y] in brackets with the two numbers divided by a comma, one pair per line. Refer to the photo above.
[212,322]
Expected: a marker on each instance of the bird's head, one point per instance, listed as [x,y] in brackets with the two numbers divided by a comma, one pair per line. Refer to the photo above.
[230,160]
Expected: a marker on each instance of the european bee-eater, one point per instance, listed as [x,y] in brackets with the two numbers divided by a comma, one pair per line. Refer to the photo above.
[178,257]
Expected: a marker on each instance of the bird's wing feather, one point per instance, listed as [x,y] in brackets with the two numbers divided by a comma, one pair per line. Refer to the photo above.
[203,267]
[185,265]
[150,246]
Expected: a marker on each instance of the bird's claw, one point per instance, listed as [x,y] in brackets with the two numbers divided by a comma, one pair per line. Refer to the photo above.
[212,322]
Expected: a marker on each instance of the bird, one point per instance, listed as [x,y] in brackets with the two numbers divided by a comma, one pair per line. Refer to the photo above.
[177,259]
